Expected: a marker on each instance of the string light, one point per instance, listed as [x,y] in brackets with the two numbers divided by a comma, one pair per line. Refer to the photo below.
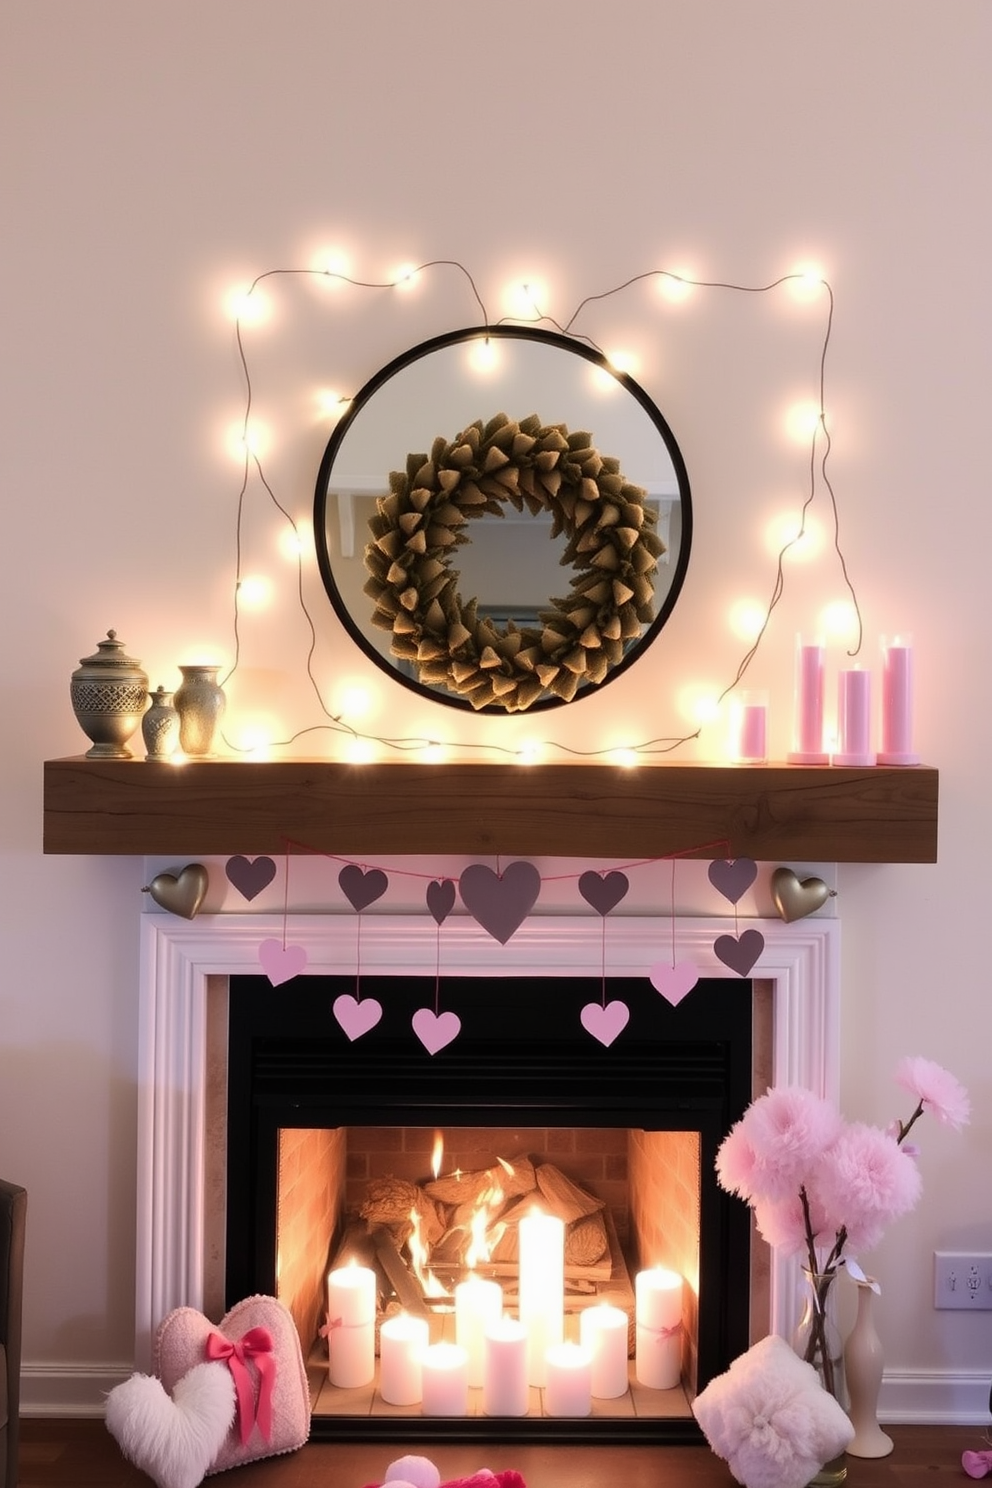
[526,300]
[255,591]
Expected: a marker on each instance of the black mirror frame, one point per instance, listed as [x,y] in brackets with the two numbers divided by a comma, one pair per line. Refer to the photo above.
[364,396]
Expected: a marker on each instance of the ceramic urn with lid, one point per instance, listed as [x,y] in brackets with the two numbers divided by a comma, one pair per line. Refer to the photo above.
[109,693]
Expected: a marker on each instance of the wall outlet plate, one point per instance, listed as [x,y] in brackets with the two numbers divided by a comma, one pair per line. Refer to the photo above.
[962,1280]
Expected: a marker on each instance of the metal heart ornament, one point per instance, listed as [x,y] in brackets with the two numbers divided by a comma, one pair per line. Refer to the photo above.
[793,897]
[181,894]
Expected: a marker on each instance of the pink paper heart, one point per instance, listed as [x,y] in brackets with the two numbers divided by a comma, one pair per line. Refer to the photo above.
[739,952]
[604,1023]
[441,899]
[181,1343]
[603,890]
[250,876]
[281,962]
[360,888]
[500,902]
[434,1030]
[356,1017]
[674,982]
[732,878]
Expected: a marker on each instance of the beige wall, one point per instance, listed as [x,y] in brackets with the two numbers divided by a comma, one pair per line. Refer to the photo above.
[154,156]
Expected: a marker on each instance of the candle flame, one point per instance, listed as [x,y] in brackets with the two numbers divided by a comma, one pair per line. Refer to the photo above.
[437,1154]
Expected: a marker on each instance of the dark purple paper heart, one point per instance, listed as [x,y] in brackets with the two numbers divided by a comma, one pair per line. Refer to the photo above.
[500,902]
[733,878]
[441,898]
[603,890]
[250,875]
[360,888]
[739,952]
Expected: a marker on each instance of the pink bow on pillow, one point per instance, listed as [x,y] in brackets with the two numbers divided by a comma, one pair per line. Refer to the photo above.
[256,1345]
[977,1464]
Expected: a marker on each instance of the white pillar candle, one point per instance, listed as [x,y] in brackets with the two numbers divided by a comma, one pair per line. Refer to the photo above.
[477,1304]
[444,1374]
[854,719]
[658,1352]
[351,1326]
[402,1341]
[897,704]
[505,1391]
[807,738]
[542,1287]
[603,1330]
[568,1389]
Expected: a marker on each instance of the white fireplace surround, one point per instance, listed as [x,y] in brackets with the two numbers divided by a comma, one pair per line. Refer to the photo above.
[800,961]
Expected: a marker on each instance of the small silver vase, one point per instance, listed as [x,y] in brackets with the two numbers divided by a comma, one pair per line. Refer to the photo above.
[108,691]
[200,702]
[160,726]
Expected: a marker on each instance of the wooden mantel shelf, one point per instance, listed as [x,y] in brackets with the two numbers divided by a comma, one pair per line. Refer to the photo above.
[219,807]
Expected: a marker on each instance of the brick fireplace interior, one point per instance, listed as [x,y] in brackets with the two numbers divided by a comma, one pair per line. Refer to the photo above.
[312,1118]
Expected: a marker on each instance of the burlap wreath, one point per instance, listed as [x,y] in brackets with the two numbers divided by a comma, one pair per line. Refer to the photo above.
[612,546]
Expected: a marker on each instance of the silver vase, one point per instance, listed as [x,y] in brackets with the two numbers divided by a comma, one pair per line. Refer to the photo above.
[200,702]
[109,692]
[160,726]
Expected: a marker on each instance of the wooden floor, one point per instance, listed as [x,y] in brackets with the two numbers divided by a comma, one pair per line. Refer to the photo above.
[82,1454]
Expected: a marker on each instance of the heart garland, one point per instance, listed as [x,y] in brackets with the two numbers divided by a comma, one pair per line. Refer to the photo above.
[500,902]
[354,1016]
[739,952]
[250,875]
[362,888]
[281,962]
[732,877]
[435,1029]
[604,891]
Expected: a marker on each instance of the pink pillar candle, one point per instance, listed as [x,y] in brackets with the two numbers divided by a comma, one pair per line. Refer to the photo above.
[897,704]
[807,732]
[351,1327]
[542,1287]
[854,719]
[752,727]
[603,1331]
[402,1341]
[568,1388]
[505,1391]
[658,1304]
[444,1375]
[477,1304]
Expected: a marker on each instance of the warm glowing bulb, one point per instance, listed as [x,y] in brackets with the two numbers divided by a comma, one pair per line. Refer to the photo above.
[623,361]
[803,537]
[746,619]
[433,753]
[293,542]
[330,405]
[627,759]
[700,704]
[255,740]
[360,751]
[251,440]
[675,287]
[839,620]
[405,277]
[806,283]
[332,267]
[529,752]
[254,592]
[527,299]
[802,421]
[248,306]
[482,354]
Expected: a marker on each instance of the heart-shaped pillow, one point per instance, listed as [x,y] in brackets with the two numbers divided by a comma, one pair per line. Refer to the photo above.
[174,1440]
[181,1344]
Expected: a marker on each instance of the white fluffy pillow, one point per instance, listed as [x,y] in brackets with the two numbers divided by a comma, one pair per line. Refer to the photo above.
[770,1419]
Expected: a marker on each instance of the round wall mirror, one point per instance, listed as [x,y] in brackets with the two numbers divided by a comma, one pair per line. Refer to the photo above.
[502,521]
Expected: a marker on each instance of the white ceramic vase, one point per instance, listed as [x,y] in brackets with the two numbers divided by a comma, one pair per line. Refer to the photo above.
[864,1362]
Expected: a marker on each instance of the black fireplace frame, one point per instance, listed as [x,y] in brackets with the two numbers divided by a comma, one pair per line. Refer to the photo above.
[522,1058]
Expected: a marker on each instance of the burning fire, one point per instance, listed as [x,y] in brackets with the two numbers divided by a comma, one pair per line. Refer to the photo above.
[419,1257]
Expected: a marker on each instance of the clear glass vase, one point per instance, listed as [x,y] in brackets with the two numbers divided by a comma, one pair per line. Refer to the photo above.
[818,1341]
